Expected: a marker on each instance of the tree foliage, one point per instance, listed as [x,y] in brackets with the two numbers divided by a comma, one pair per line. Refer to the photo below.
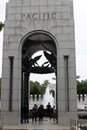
[38,89]
[82,87]
[1,26]
[34,87]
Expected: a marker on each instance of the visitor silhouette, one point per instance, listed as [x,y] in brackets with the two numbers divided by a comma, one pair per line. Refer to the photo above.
[40,113]
[54,113]
[26,114]
[34,113]
[48,107]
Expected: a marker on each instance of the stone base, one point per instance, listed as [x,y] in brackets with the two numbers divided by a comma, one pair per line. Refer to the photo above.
[64,117]
[10,118]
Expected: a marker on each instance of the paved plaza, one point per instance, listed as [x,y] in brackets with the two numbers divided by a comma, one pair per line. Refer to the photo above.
[47,124]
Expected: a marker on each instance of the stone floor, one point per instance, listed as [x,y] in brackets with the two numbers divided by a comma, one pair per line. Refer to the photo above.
[47,124]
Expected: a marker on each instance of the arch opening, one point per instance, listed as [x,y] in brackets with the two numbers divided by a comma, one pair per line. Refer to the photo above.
[32,44]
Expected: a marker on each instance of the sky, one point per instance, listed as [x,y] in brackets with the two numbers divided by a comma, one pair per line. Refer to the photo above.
[80,16]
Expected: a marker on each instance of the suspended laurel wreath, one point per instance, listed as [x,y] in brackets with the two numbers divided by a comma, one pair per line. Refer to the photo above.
[1,25]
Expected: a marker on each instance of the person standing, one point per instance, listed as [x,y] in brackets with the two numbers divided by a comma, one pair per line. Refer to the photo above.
[54,113]
[40,113]
[34,113]
[48,107]
[26,114]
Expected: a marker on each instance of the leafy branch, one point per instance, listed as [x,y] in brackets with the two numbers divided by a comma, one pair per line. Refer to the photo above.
[1,26]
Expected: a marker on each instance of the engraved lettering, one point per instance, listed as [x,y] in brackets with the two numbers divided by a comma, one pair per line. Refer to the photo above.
[28,16]
[44,15]
[38,16]
[34,16]
[48,16]
[53,15]
[22,16]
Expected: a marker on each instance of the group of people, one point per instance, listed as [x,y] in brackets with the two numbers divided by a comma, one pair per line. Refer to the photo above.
[39,112]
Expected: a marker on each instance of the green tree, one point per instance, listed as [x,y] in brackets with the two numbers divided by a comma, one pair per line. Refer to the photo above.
[38,89]
[1,26]
[34,88]
[82,87]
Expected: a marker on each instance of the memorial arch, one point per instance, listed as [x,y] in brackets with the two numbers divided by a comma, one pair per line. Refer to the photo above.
[31,26]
